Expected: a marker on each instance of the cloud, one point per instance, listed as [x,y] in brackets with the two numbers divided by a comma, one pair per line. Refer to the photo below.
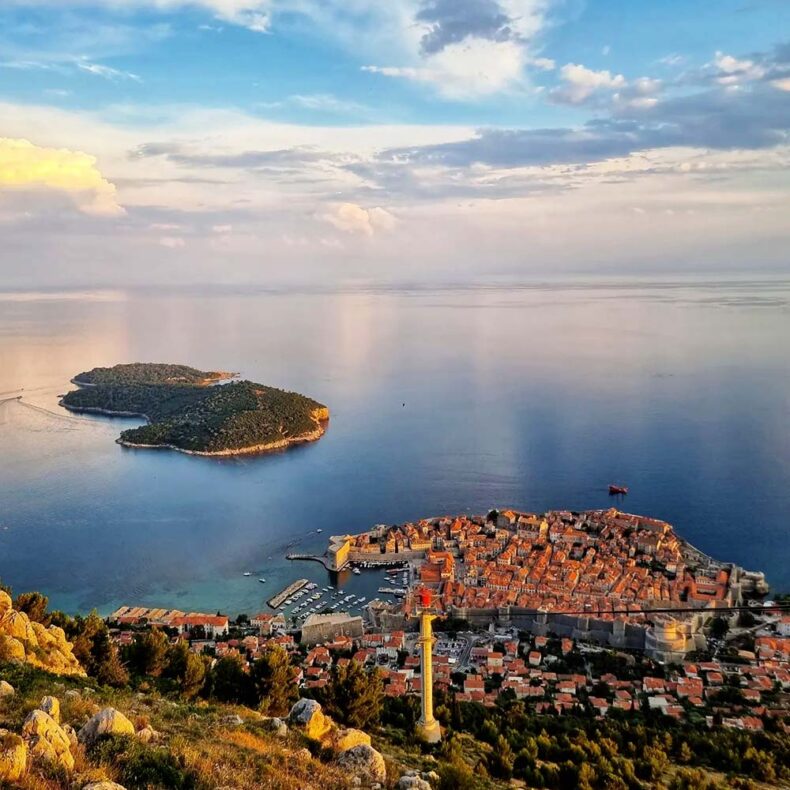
[27,166]
[475,67]
[469,48]
[107,72]
[733,71]
[352,218]
[453,21]
[581,83]
[252,14]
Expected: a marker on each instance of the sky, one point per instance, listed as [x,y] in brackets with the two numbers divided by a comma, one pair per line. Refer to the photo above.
[322,142]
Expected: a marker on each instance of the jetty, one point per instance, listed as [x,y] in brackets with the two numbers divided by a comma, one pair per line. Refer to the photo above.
[276,600]
[310,558]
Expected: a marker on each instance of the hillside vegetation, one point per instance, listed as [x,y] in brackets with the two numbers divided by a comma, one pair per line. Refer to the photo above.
[149,373]
[223,419]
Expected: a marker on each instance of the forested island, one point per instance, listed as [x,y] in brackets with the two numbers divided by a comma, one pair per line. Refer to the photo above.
[190,411]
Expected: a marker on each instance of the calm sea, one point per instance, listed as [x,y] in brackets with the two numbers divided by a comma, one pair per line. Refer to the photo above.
[443,401]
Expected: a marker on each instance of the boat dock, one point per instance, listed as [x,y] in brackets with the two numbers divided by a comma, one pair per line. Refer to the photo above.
[276,600]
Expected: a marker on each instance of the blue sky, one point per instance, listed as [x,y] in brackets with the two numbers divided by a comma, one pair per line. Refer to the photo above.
[316,138]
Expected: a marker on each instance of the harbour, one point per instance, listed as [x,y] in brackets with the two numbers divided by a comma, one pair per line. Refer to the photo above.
[282,596]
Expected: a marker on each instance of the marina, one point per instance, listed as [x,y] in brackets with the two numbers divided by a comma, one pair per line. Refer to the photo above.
[276,601]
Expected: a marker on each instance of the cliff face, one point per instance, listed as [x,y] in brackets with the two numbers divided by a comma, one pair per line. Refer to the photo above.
[27,642]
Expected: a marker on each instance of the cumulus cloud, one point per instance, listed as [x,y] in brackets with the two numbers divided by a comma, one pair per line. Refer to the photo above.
[353,218]
[468,48]
[24,165]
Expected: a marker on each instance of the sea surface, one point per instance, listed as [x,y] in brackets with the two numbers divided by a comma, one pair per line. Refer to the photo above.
[443,400]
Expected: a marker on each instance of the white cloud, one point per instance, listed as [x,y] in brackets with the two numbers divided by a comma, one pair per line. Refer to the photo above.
[782,84]
[24,165]
[252,14]
[353,218]
[107,72]
[172,242]
[580,83]
[466,69]
[734,71]
[468,56]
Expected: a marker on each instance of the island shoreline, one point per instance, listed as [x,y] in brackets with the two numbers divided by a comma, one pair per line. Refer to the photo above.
[255,449]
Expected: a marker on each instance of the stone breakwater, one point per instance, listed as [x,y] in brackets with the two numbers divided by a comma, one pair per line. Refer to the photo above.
[27,642]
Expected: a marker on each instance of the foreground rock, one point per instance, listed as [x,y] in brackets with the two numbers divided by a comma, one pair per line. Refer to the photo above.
[307,715]
[13,757]
[365,763]
[27,642]
[107,721]
[103,786]
[46,740]
[6,689]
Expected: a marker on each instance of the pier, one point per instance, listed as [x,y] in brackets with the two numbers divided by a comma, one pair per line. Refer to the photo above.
[314,558]
[276,600]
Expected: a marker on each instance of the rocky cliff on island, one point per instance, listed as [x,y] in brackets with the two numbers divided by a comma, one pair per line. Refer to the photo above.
[191,411]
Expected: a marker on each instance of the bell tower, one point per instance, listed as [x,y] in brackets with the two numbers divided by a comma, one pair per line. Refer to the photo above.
[427,727]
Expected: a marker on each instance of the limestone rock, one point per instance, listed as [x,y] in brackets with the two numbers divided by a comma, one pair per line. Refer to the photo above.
[148,734]
[72,694]
[13,757]
[307,715]
[413,783]
[105,785]
[6,689]
[364,762]
[46,740]
[5,602]
[344,739]
[71,733]
[233,720]
[51,705]
[11,649]
[277,727]
[107,721]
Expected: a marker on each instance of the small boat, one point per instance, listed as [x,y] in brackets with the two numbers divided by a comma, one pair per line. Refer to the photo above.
[262,581]
[247,573]
[319,531]
[357,571]
[614,490]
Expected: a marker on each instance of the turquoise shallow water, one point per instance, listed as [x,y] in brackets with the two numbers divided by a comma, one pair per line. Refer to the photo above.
[534,397]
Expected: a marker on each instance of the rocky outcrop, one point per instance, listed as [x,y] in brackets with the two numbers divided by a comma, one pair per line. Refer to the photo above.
[413,781]
[46,740]
[107,721]
[13,757]
[307,716]
[51,705]
[6,689]
[356,756]
[365,763]
[103,786]
[24,641]
[276,727]
[347,738]
[148,734]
